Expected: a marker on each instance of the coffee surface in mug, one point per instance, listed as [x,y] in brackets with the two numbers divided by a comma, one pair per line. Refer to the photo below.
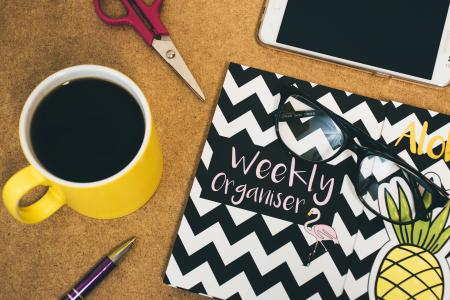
[87,130]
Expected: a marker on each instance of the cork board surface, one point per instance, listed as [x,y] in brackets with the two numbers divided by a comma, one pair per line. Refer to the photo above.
[42,261]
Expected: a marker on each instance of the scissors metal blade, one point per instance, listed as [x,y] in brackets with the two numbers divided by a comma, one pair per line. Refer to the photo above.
[166,48]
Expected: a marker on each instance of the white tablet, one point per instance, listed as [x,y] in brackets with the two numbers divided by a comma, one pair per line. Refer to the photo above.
[408,39]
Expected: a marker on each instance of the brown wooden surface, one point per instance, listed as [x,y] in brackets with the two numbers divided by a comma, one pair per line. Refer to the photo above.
[38,38]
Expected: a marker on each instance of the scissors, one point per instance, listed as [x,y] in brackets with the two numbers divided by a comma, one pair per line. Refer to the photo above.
[146,21]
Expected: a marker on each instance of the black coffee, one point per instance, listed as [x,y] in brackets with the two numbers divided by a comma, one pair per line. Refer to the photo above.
[87,130]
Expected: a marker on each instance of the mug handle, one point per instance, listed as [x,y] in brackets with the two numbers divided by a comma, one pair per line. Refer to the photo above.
[21,183]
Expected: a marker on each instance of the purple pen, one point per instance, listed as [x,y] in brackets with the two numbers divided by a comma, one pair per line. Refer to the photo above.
[99,272]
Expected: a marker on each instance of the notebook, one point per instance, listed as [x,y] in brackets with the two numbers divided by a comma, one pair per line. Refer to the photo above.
[413,266]
[245,232]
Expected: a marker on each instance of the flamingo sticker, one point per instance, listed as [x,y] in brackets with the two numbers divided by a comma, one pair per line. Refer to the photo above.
[321,232]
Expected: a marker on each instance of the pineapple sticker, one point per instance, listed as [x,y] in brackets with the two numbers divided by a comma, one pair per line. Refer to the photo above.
[413,268]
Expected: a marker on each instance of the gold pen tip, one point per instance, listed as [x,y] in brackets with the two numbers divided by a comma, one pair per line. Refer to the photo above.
[117,254]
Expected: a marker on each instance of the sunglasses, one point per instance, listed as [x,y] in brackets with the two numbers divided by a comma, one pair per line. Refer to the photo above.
[313,133]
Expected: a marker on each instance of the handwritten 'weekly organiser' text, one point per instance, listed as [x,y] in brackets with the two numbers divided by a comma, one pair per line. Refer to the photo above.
[278,173]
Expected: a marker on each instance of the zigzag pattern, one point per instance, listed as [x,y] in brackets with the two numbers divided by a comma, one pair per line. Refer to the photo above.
[355,288]
[207,154]
[217,258]
[247,122]
[349,193]
[258,224]
[261,91]
[229,252]
[316,141]
[257,86]
[346,154]
[227,265]
[397,117]
[265,262]
[361,112]
[391,132]
[238,284]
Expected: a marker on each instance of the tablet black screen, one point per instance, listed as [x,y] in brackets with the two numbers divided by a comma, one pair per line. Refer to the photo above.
[399,35]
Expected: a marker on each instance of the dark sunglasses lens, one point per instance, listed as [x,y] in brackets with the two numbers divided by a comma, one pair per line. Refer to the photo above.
[387,189]
[307,132]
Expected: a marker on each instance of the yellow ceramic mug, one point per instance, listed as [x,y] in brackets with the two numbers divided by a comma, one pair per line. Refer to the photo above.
[113,197]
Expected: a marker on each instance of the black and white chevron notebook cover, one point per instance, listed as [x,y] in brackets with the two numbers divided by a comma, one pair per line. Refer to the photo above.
[245,232]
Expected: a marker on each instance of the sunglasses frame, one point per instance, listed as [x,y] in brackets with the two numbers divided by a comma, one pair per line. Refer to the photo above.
[366,147]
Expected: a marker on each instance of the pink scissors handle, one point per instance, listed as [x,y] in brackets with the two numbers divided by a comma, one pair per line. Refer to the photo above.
[151,13]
